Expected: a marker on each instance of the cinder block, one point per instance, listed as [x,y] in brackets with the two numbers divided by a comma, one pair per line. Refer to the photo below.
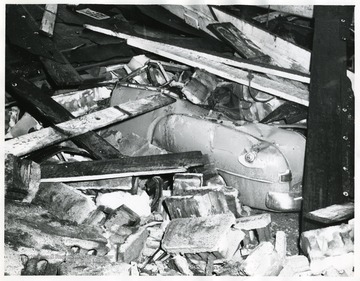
[262,261]
[211,234]
[64,202]
[205,203]
[133,246]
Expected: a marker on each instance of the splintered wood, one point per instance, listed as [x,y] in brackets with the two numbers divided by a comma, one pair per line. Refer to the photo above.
[27,143]
[197,59]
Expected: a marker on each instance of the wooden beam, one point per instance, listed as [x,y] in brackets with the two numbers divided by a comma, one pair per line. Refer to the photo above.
[115,168]
[44,108]
[231,61]
[33,141]
[64,75]
[329,165]
[261,83]
[284,53]
[48,20]
[229,34]
[334,213]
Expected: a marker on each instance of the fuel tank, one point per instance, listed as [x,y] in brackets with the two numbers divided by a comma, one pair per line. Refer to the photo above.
[263,162]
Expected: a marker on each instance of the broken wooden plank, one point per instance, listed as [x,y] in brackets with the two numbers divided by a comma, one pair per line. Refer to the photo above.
[282,89]
[261,83]
[63,131]
[228,33]
[48,110]
[114,168]
[48,20]
[231,61]
[284,53]
[334,213]
[24,32]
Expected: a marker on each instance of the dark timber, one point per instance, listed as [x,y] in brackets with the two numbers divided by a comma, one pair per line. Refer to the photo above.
[48,110]
[329,162]
[140,165]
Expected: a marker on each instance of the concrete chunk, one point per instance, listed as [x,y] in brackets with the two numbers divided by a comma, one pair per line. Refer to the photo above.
[329,247]
[200,205]
[64,202]
[294,265]
[262,261]
[203,235]
[133,246]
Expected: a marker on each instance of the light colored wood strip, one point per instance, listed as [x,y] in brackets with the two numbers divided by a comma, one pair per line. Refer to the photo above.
[36,140]
[48,20]
[333,213]
[261,83]
[115,175]
[304,78]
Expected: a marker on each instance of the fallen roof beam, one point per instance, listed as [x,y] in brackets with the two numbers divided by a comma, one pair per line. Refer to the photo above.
[36,140]
[234,61]
[284,53]
[124,167]
[48,110]
[256,81]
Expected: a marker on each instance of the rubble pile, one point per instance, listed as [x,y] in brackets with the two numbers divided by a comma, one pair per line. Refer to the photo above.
[150,158]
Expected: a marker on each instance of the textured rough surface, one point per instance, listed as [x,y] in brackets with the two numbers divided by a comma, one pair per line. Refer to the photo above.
[204,234]
[93,265]
[200,205]
[262,261]
[31,230]
[329,247]
[133,246]
[64,202]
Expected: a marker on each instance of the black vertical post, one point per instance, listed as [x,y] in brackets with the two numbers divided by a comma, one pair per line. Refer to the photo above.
[329,156]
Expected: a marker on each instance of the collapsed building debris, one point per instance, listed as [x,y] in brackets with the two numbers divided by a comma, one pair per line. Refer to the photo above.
[144,145]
